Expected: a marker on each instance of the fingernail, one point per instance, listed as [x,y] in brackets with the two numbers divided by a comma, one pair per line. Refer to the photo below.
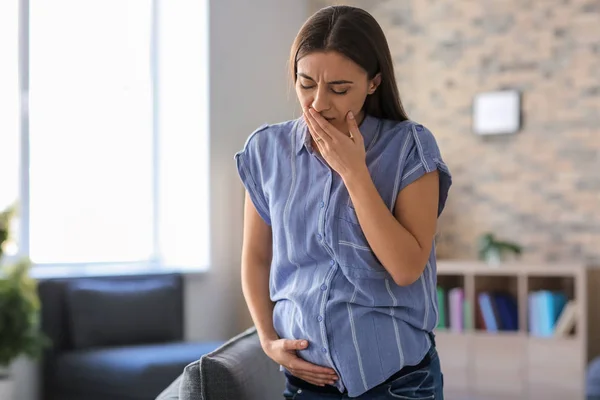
[350,115]
[303,343]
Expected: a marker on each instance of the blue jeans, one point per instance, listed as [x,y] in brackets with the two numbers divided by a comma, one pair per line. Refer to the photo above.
[423,384]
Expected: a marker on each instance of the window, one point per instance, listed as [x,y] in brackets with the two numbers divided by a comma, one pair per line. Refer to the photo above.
[117,133]
[184,162]
[91,135]
[9,102]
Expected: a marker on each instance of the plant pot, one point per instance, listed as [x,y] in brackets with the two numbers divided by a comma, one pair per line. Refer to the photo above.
[6,384]
[6,388]
[493,257]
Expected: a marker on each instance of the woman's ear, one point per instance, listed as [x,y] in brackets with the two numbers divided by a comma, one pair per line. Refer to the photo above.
[374,83]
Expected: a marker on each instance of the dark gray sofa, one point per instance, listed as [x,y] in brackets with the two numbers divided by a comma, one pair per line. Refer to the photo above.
[118,338]
[237,370]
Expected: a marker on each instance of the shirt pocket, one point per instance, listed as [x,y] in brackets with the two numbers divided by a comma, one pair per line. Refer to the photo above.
[355,256]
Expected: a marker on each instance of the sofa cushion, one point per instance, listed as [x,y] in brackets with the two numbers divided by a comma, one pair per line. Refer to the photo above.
[142,371]
[239,369]
[108,312]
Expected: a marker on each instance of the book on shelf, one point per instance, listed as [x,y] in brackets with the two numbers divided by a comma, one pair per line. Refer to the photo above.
[455,299]
[451,309]
[456,313]
[467,315]
[441,302]
[497,311]
[545,309]
[567,320]
[487,312]
[493,311]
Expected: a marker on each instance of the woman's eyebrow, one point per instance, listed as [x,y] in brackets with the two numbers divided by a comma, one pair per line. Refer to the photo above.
[340,82]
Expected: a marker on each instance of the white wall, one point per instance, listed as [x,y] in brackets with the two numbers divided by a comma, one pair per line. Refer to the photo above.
[249,48]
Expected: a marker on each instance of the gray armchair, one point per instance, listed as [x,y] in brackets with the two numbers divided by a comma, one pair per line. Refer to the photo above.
[237,370]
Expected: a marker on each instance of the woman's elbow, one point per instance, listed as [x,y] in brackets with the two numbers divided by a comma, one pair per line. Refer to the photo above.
[406,275]
[405,279]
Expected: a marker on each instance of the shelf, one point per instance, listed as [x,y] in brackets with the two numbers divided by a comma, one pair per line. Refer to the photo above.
[449,267]
[499,334]
[447,334]
[551,340]
[516,363]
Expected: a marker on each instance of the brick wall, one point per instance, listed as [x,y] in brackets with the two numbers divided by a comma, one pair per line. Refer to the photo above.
[540,187]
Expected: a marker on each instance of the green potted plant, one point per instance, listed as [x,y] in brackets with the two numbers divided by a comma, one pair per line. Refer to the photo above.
[20,332]
[493,251]
[5,220]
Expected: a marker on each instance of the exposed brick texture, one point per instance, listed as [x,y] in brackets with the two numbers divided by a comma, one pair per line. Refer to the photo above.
[540,187]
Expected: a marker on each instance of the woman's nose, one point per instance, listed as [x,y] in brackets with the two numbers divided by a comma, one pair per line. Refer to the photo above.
[320,101]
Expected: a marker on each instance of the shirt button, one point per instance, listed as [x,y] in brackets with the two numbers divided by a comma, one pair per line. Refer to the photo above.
[324,350]
[323,287]
[319,236]
[419,128]
[332,262]
[321,204]
[319,318]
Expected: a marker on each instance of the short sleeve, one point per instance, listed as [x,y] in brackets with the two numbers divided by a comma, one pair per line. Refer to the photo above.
[422,155]
[249,166]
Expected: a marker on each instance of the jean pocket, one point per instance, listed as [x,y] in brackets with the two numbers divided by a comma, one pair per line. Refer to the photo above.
[356,257]
[418,385]
[291,392]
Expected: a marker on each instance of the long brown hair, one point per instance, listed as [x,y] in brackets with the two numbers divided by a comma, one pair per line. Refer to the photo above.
[354,33]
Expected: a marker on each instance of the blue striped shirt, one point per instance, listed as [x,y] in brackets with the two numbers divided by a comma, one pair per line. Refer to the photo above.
[326,282]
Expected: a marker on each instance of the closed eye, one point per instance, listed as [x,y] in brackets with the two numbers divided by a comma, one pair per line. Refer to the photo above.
[340,92]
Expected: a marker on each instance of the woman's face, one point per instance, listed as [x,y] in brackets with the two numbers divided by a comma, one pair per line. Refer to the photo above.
[333,85]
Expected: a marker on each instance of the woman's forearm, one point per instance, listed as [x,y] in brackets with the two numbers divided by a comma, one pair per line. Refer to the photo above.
[396,248]
[255,286]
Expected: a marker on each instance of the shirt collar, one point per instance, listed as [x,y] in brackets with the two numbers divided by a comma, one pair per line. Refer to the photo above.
[368,129]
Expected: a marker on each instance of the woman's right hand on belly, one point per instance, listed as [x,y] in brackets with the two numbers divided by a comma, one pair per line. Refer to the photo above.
[283,352]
